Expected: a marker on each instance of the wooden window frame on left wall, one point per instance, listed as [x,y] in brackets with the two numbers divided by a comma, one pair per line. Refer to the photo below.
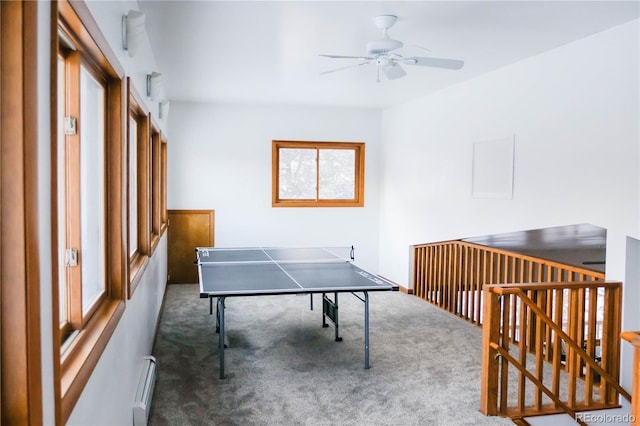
[139,260]
[20,336]
[73,368]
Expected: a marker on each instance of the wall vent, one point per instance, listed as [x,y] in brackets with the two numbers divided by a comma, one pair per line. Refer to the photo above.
[144,392]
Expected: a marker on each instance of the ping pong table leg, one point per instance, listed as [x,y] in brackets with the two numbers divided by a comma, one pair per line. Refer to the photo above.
[366,330]
[221,334]
[335,322]
[330,309]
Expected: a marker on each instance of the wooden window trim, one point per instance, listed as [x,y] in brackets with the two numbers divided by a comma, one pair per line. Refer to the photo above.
[358,147]
[20,334]
[164,217]
[73,368]
[155,186]
[140,259]
[77,317]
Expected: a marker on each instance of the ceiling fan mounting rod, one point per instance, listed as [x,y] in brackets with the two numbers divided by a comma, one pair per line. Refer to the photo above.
[384,22]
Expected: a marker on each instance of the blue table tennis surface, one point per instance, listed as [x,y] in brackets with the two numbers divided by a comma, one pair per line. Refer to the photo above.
[263,271]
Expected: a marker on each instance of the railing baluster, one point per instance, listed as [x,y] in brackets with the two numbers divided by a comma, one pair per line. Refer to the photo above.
[480,285]
[571,358]
[420,253]
[433,265]
[547,335]
[474,285]
[504,365]
[513,320]
[557,342]
[454,281]
[581,322]
[591,343]
[522,353]
[446,274]
[540,331]
[491,278]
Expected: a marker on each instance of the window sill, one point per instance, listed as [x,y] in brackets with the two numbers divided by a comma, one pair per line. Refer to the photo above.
[137,267]
[155,239]
[332,203]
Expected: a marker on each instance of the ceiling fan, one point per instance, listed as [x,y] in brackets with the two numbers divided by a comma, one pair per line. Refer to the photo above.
[381,52]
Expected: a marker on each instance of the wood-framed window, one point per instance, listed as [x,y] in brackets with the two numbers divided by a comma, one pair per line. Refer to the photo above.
[155,186]
[138,187]
[87,156]
[81,189]
[163,187]
[317,174]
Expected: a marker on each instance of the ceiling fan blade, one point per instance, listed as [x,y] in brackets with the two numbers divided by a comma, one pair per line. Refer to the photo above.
[344,68]
[451,64]
[362,58]
[393,71]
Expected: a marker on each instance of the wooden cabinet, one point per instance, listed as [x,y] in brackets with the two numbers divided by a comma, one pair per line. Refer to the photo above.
[188,229]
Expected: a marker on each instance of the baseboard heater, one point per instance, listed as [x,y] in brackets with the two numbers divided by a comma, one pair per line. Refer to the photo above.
[144,392]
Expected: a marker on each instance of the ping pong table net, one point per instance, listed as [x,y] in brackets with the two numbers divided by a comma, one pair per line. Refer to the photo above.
[280,255]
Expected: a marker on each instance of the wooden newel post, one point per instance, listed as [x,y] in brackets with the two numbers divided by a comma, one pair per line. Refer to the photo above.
[490,364]
[633,337]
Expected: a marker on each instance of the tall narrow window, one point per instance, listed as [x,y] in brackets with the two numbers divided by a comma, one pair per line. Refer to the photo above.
[155,187]
[163,186]
[317,174]
[81,189]
[133,186]
[64,317]
[92,189]
[88,248]
[139,184]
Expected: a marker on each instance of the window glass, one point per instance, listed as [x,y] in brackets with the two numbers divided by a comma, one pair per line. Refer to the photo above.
[337,169]
[92,184]
[133,186]
[62,239]
[297,174]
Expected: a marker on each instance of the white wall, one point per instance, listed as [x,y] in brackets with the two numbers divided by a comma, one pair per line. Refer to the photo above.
[220,158]
[574,112]
[108,396]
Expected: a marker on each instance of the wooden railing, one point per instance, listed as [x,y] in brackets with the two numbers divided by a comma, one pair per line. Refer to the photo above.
[557,325]
[633,337]
[564,337]
[452,274]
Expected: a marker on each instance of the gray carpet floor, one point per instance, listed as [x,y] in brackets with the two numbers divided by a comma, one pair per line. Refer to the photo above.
[283,368]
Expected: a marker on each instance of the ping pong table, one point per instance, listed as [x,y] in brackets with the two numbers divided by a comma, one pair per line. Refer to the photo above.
[256,271]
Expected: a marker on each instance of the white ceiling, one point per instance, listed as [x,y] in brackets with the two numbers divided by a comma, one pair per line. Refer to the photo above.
[267,51]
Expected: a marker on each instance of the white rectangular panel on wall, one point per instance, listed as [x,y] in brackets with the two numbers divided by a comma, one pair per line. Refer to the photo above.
[492,175]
